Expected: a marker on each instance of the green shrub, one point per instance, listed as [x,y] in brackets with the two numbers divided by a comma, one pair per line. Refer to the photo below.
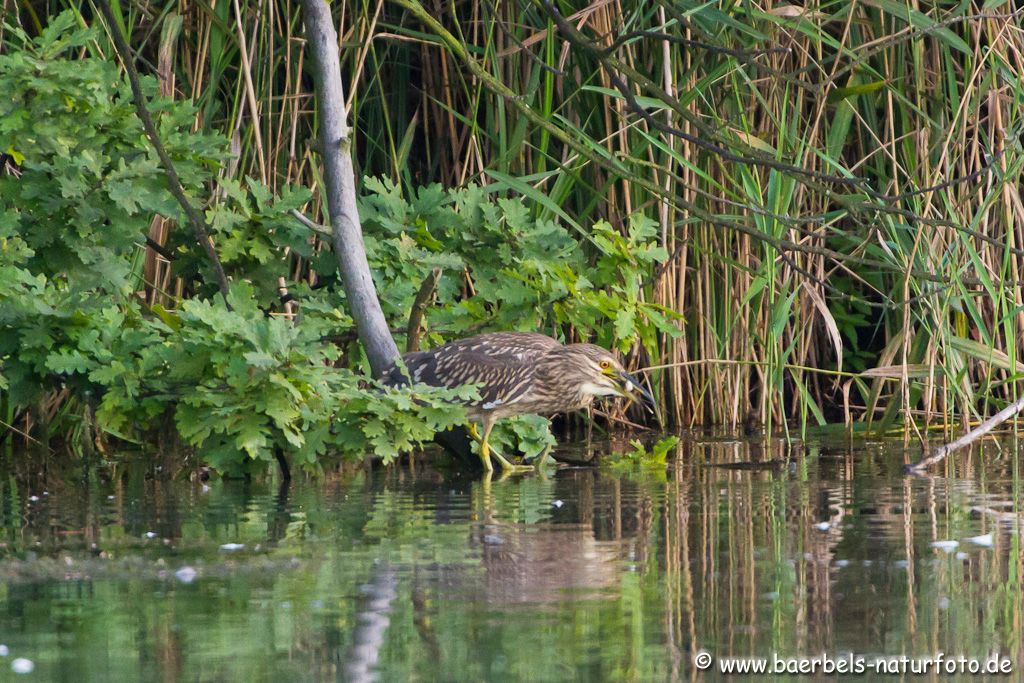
[240,383]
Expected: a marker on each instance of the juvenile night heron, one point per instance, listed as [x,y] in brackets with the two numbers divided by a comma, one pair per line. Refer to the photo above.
[519,373]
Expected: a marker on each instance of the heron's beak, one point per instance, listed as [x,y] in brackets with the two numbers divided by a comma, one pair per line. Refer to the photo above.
[630,386]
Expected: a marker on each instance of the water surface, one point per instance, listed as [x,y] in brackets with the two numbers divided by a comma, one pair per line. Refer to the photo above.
[737,548]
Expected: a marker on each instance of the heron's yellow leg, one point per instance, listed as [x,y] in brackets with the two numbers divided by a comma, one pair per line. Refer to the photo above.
[485,449]
[543,457]
[506,466]
[485,456]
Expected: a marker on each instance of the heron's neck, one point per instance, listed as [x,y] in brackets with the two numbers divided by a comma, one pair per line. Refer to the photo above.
[585,394]
[592,390]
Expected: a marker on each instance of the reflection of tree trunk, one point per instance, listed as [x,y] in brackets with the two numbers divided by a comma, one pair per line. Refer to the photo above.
[373,621]
[280,516]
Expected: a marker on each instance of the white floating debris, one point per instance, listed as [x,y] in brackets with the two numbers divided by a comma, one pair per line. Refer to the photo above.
[22,666]
[943,603]
[4,651]
[150,534]
[771,595]
[948,546]
[842,563]
[493,539]
[33,498]
[985,540]
[557,504]
[186,574]
[866,563]
[900,564]
[962,556]
[110,498]
[204,488]
[232,547]
[823,526]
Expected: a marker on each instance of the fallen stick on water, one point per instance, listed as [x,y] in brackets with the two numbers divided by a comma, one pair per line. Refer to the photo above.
[940,453]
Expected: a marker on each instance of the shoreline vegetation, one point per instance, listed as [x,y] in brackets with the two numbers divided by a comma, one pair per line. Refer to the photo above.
[788,218]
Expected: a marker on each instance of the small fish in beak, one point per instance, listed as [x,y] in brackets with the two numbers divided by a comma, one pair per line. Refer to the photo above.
[631,384]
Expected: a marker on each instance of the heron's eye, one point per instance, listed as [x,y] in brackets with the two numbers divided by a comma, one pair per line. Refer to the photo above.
[605,365]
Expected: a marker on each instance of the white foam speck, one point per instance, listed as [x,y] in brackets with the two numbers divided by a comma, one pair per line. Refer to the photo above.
[22,666]
[985,540]
[186,574]
[232,547]
[948,546]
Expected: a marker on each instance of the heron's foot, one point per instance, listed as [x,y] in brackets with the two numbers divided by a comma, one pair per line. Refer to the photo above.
[486,451]
[543,459]
[509,468]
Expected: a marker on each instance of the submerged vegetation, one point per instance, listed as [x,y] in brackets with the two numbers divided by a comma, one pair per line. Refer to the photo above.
[792,215]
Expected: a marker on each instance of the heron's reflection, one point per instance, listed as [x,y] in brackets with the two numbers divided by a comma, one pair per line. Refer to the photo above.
[546,563]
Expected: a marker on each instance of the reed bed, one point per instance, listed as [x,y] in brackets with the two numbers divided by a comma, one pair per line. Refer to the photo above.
[838,186]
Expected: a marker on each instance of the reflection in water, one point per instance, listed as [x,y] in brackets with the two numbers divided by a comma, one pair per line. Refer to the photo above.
[739,548]
[373,622]
[546,564]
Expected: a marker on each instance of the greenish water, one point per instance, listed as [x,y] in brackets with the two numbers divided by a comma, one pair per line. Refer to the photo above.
[584,574]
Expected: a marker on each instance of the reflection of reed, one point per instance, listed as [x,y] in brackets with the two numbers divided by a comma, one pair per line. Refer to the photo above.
[733,556]
[723,559]
[680,626]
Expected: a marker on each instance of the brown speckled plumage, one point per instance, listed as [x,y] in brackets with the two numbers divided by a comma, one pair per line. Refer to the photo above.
[518,373]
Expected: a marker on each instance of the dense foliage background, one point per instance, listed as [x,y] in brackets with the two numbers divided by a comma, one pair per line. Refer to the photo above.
[797,214]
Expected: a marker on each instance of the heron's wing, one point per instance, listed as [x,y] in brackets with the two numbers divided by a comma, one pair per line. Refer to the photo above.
[502,364]
[518,345]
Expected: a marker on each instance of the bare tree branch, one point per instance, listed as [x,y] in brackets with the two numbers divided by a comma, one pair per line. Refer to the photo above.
[940,453]
[195,218]
[340,189]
